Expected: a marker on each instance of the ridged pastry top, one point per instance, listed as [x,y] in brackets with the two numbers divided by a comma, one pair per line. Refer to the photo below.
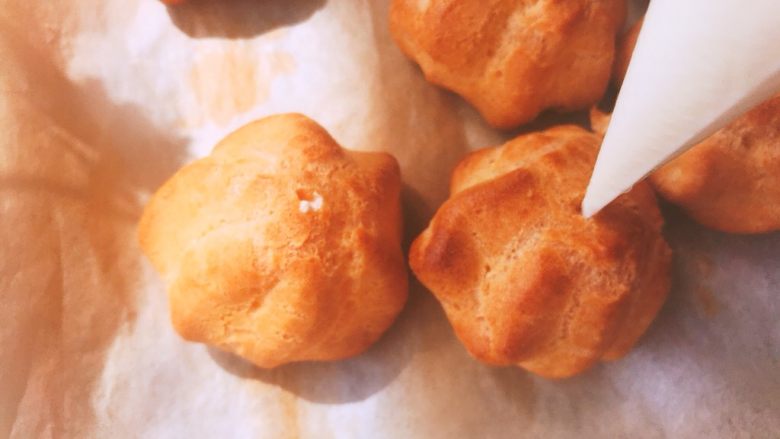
[281,246]
[524,278]
[512,59]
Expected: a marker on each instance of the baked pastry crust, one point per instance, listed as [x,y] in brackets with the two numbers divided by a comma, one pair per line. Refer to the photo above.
[281,246]
[731,180]
[512,59]
[523,277]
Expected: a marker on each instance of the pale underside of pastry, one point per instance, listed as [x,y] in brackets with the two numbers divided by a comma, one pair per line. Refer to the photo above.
[523,277]
[281,246]
[511,59]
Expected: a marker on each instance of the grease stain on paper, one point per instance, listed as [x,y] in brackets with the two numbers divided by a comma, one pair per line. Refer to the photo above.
[706,303]
[289,407]
[229,81]
[704,300]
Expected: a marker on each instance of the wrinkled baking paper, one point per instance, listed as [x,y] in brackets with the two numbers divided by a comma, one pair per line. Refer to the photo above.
[101,101]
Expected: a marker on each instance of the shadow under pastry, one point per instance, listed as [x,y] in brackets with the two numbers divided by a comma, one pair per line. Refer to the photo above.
[239,18]
[341,381]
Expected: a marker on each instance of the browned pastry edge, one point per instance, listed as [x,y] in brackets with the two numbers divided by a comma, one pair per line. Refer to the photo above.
[623,52]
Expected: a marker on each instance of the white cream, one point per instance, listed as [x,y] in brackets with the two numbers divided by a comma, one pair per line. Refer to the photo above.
[312,205]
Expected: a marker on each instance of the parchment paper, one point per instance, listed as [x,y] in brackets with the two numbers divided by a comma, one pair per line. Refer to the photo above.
[101,101]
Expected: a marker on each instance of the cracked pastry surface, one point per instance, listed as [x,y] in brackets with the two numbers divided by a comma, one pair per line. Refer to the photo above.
[523,277]
[511,59]
[280,246]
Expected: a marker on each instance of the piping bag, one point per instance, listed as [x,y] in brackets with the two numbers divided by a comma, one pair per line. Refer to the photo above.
[697,65]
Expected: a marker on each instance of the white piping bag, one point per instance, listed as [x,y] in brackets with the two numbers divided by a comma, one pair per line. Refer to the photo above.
[697,65]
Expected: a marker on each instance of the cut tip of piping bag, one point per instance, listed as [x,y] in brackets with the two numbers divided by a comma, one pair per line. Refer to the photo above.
[599,194]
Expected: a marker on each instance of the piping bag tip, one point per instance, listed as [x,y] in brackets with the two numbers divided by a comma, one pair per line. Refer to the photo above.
[588,207]
[591,204]
[602,187]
